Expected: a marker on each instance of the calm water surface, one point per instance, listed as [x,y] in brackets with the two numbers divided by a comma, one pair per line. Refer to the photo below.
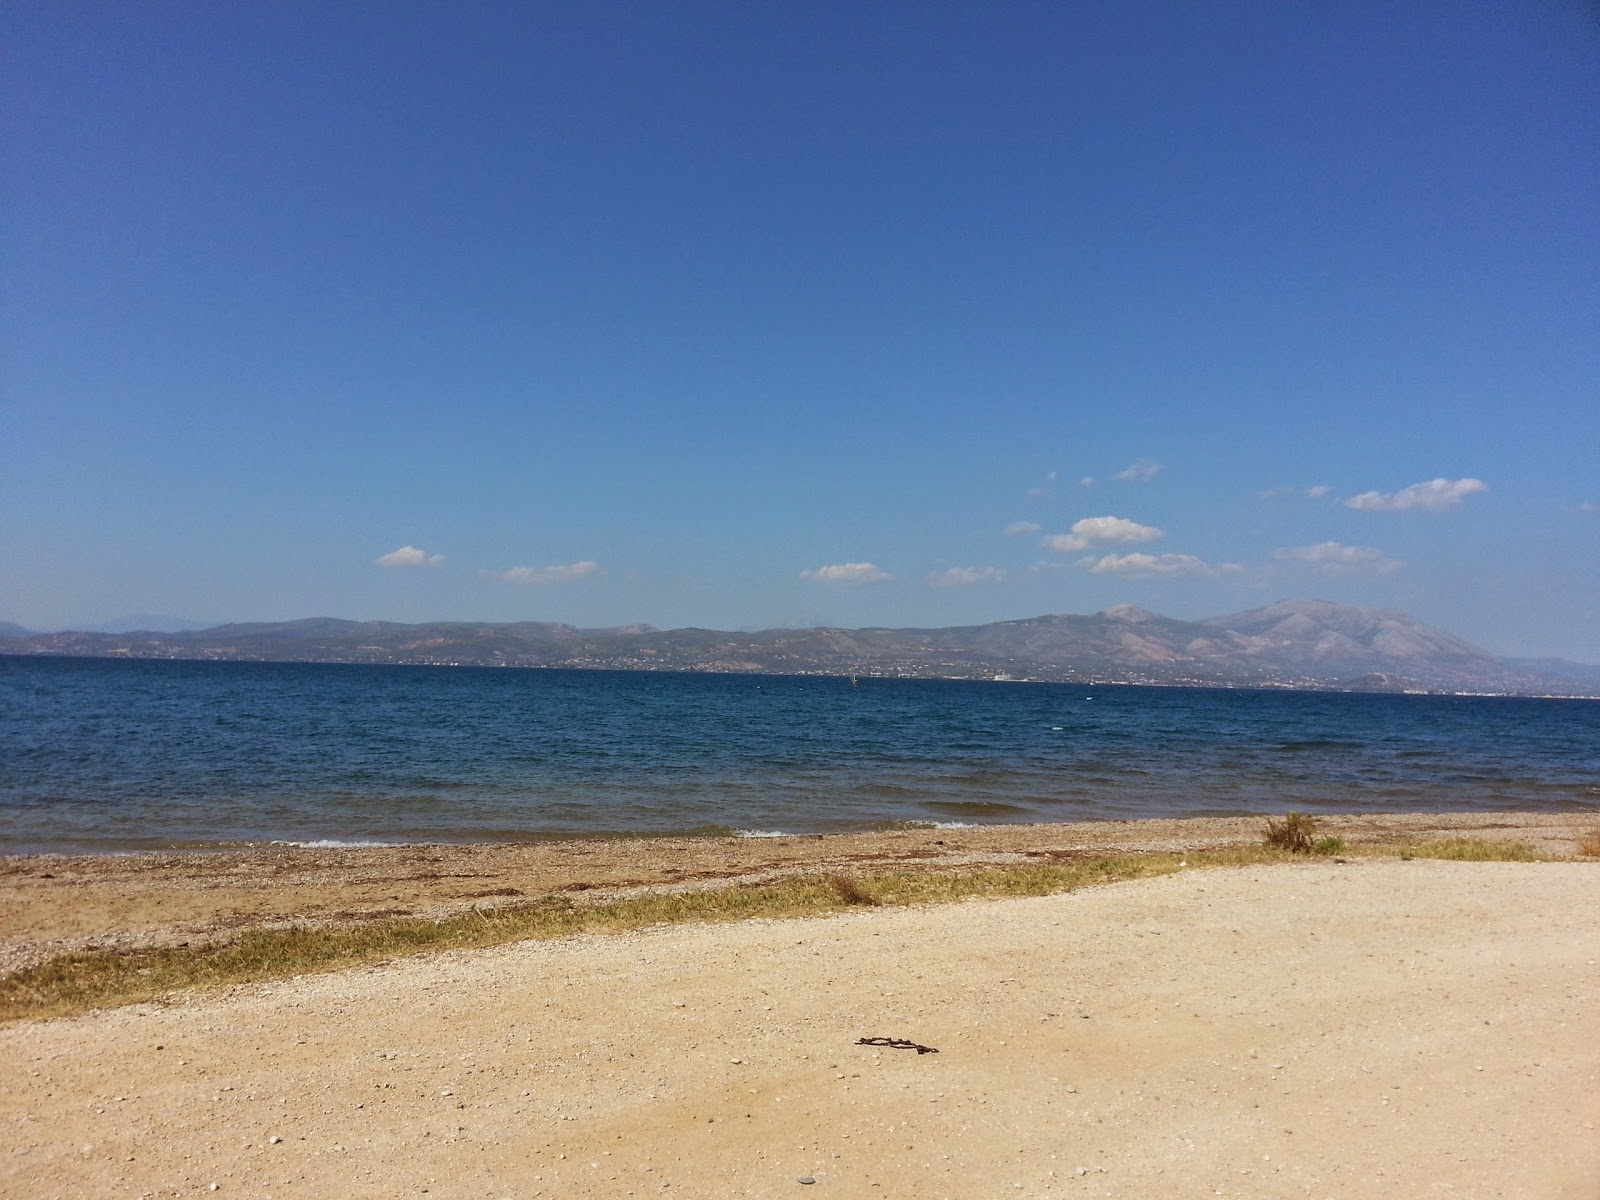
[119,755]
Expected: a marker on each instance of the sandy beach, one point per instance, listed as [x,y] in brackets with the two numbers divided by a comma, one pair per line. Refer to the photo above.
[1325,1029]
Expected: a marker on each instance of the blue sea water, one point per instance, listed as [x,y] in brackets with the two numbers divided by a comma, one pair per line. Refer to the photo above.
[110,755]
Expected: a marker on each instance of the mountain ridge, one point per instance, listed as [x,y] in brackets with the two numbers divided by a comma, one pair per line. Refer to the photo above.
[1290,643]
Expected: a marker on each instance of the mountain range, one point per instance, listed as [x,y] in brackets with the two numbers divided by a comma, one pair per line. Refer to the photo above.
[1294,643]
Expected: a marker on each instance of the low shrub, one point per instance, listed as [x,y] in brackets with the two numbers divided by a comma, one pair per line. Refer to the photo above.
[1296,833]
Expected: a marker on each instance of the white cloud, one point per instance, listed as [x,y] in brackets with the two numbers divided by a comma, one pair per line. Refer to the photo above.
[849,574]
[1332,558]
[1434,496]
[962,576]
[1155,566]
[1140,471]
[1022,528]
[1311,493]
[1097,530]
[408,556]
[1087,481]
[1051,476]
[541,576]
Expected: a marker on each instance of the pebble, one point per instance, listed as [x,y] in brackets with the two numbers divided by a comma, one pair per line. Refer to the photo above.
[274,1140]
[806,1179]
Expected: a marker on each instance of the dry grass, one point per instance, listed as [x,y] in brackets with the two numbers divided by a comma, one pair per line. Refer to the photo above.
[75,983]
[851,890]
[1295,833]
[1468,849]
[1589,845]
[81,982]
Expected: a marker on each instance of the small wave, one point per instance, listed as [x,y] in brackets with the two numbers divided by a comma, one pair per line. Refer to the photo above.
[335,844]
[755,833]
[1320,744]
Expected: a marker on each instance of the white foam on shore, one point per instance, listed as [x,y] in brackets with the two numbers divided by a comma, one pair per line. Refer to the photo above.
[759,833]
[336,844]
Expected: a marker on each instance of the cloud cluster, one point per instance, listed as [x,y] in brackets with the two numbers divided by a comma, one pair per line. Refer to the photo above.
[407,556]
[543,576]
[851,574]
[1333,558]
[1435,495]
[963,576]
[1093,531]
[1156,566]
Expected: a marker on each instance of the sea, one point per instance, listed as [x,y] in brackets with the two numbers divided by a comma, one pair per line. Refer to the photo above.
[110,756]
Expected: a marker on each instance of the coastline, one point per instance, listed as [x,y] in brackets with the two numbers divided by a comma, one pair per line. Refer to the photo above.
[1322,1028]
[54,904]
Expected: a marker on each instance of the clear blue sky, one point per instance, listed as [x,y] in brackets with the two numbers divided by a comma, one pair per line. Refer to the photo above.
[740,314]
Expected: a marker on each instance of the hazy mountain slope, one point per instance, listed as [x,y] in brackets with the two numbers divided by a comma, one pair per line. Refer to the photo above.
[1297,643]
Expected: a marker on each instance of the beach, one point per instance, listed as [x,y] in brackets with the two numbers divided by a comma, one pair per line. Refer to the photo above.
[1326,1028]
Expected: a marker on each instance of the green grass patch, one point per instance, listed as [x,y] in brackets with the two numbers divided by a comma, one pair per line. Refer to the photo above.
[1467,849]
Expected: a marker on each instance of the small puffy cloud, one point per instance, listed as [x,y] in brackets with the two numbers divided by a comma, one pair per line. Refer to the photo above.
[1140,471]
[1087,481]
[1092,531]
[963,576]
[1155,566]
[543,576]
[408,556]
[1022,529]
[1434,496]
[1332,558]
[848,574]
[1318,492]
[1051,476]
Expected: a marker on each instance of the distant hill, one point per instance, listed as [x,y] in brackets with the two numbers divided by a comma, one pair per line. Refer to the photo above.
[1294,643]
[151,622]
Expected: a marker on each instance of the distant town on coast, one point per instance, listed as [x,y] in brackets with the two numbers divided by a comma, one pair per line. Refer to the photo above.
[1306,644]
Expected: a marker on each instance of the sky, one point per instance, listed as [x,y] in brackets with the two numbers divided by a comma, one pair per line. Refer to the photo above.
[746,315]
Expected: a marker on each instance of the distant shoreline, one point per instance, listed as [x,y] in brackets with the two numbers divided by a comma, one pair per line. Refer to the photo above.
[1310,687]
[1296,644]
